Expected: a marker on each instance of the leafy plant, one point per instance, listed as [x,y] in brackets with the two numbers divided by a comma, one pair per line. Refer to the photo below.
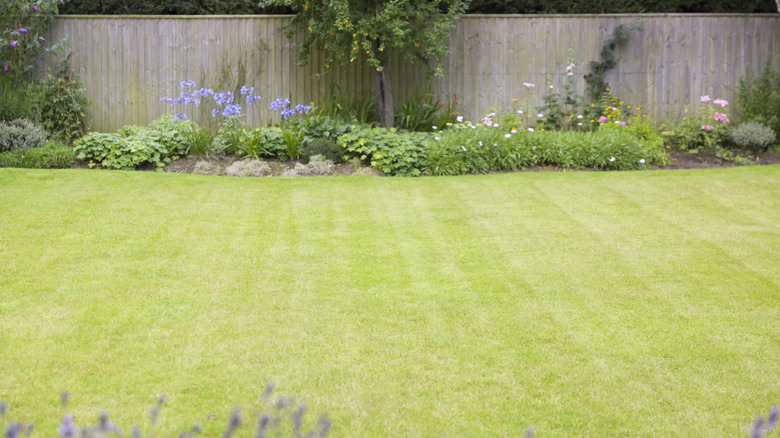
[705,130]
[324,147]
[23,30]
[21,134]
[19,100]
[758,98]
[347,107]
[754,136]
[130,149]
[420,113]
[63,105]
[597,78]
[392,151]
[51,156]
[293,140]
[315,125]
[197,140]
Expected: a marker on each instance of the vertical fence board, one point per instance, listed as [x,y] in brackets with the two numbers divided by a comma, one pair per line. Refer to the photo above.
[127,63]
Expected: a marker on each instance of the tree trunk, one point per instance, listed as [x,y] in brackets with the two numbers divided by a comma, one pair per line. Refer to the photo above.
[384,97]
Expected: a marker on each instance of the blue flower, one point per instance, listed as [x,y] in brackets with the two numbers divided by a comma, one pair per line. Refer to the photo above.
[247,90]
[188,84]
[180,116]
[214,113]
[232,110]
[279,104]
[251,99]
[287,112]
[302,109]
[223,99]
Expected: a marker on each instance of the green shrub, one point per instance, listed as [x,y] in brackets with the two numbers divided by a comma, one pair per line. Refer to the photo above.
[462,150]
[324,147]
[392,151]
[19,100]
[349,108]
[266,142]
[64,105]
[315,125]
[52,156]
[132,148]
[293,141]
[228,136]
[754,136]
[758,98]
[172,133]
[197,140]
[21,134]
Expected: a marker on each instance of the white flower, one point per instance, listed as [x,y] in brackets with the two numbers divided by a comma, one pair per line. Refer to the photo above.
[495,144]
[460,119]
[491,114]
[434,127]
[642,161]
[617,122]
[540,115]
[507,135]
[473,127]
[464,148]
[519,111]
[551,87]
[611,160]
[569,74]
[514,131]
[579,116]
[579,124]
[495,125]
[530,129]
[436,138]
[480,142]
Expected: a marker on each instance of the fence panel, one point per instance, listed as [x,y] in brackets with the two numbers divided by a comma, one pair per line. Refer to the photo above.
[127,63]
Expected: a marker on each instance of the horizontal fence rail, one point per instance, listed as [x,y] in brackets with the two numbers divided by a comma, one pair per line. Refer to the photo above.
[127,63]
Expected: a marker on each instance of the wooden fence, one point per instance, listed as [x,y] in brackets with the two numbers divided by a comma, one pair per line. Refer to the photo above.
[127,63]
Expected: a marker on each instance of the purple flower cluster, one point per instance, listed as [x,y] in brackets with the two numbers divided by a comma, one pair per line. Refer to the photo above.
[282,105]
[223,100]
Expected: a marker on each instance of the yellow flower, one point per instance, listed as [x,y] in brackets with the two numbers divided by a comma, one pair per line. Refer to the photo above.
[368,51]
[514,100]
[608,108]
[629,107]
[381,49]
[591,121]
[620,103]
[541,130]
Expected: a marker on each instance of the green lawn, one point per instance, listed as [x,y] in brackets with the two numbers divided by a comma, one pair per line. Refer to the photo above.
[576,303]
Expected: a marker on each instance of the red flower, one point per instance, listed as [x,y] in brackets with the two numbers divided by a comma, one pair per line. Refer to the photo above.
[455,96]
[441,105]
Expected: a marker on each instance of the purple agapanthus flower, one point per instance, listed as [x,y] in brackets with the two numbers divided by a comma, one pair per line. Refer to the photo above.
[302,109]
[232,110]
[287,112]
[279,104]
[188,84]
[180,116]
[247,90]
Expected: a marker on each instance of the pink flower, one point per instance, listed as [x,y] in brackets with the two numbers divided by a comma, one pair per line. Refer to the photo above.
[721,117]
[602,119]
[706,127]
[705,99]
[528,85]
[720,102]
[22,30]
[622,123]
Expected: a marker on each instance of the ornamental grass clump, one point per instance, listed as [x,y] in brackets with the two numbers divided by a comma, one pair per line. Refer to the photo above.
[21,135]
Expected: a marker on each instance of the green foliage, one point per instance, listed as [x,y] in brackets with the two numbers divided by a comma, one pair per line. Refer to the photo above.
[293,141]
[392,151]
[64,105]
[422,112]
[228,136]
[315,125]
[597,78]
[171,133]
[19,100]
[21,134]
[360,30]
[758,98]
[131,148]
[51,156]
[324,147]
[699,132]
[754,136]
[23,33]
[197,140]
[462,150]
[619,6]
[168,7]
[349,108]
